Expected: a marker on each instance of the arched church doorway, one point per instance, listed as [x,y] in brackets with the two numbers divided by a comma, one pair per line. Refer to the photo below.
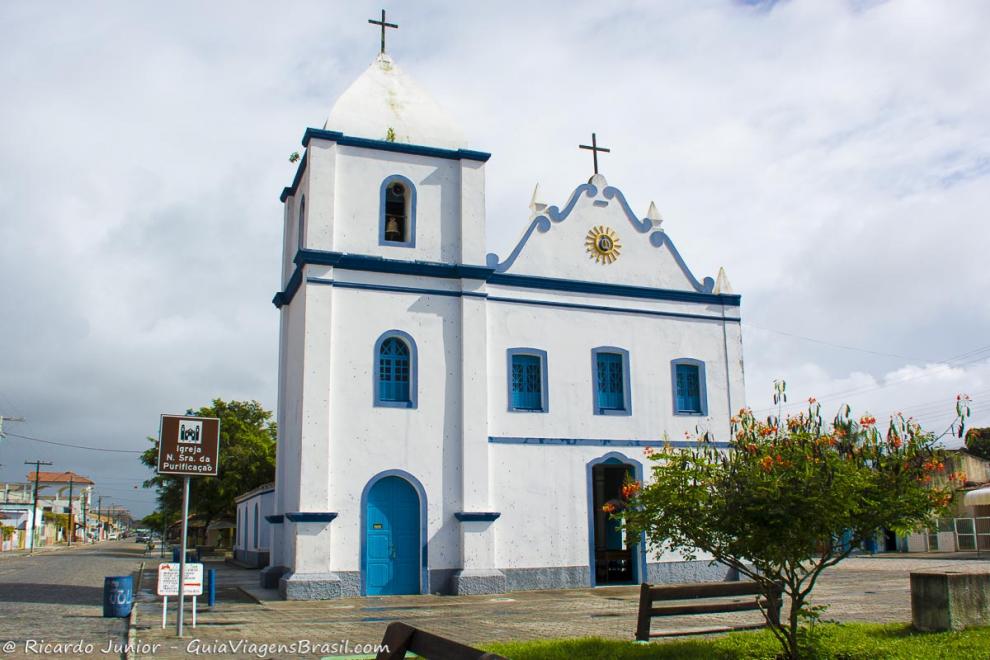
[616,557]
[391,556]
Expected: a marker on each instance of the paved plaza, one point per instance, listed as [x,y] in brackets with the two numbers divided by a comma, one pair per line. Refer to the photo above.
[860,589]
[55,597]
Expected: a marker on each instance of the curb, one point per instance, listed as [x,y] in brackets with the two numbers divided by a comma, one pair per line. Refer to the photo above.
[132,619]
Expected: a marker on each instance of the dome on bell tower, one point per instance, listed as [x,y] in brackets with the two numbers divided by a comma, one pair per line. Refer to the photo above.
[386,104]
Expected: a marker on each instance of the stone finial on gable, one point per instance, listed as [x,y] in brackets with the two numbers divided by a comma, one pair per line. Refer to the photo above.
[536,207]
[653,215]
[722,282]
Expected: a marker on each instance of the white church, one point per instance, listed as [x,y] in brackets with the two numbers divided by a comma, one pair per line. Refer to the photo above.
[452,421]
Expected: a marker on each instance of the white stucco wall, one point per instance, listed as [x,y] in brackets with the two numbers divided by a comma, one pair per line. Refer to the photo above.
[332,438]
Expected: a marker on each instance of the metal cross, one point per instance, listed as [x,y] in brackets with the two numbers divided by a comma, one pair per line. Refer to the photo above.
[595,149]
[384,25]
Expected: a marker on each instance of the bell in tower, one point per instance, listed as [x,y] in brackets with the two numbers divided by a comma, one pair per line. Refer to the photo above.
[395,213]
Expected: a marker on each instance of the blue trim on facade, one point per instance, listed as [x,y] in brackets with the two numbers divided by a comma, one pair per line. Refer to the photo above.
[399,147]
[424,580]
[477,516]
[544,376]
[702,386]
[279,300]
[621,310]
[624,290]
[310,516]
[410,220]
[640,550]
[291,190]
[301,225]
[626,410]
[462,271]
[592,442]
[413,401]
[391,266]
[275,519]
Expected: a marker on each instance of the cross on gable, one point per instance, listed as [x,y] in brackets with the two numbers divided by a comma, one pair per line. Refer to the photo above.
[383,25]
[594,148]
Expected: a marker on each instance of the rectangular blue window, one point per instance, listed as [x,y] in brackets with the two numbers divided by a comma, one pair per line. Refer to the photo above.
[688,394]
[610,382]
[527,383]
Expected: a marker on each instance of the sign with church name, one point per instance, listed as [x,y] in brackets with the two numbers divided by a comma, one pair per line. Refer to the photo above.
[189,446]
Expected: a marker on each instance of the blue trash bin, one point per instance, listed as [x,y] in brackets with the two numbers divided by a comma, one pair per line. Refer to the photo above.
[211,586]
[118,596]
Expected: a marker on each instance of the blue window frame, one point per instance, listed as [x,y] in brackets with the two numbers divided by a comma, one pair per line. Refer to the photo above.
[397,212]
[256,524]
[301,239]
[610,380]
[527,391]
[688,384]
[395,368]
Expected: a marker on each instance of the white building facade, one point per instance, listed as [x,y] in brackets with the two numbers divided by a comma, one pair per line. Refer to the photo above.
[252,537]
[451,421]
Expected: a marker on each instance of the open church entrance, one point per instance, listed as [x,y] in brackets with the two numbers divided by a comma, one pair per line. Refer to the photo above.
[614,555]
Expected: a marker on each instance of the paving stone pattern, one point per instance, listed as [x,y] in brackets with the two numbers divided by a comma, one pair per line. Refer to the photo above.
[57,596]
[860,589]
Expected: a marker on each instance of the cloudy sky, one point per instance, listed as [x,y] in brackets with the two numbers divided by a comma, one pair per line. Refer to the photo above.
[832,155]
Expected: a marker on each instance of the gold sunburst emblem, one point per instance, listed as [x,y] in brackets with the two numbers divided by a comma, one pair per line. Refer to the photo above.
[603,244]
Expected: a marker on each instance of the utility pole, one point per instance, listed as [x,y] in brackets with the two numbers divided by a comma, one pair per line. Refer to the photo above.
[72,527]
[34,512]
[85,515]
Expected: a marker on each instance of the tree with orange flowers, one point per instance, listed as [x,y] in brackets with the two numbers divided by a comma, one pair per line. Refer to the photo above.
[791,497]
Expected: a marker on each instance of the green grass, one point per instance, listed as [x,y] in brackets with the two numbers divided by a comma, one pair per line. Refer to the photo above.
[851,641]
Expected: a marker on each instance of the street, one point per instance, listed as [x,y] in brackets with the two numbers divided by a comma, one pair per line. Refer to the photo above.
[56,597]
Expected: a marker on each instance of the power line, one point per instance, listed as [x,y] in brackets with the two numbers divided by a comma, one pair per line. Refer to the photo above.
[953,362]
[66,444]
[833,345]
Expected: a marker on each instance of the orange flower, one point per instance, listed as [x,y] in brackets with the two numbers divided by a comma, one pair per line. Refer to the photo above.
[629,490]
[866,420]
[766,463]
[895,442]
[608,508]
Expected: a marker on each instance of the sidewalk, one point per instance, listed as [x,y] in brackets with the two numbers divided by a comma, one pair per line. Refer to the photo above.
[11,554]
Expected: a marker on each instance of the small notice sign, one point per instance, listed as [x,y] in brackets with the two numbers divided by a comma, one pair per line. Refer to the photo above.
[189,446]
[168,579]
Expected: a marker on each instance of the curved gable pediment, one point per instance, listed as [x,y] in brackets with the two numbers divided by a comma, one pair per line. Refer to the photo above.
[560,243]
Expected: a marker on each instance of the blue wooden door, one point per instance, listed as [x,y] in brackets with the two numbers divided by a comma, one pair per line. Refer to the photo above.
[392,538]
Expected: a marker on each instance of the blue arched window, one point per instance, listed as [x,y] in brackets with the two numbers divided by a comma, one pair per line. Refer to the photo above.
[397,212]
[395,370]
[302,223]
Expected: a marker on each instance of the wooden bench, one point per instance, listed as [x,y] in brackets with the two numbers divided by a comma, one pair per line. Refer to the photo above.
[727,592]
[400,639]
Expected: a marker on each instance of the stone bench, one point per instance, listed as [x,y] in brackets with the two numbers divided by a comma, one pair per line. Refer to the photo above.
[949,600]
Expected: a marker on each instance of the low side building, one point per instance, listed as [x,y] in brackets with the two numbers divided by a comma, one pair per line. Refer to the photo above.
[252,540]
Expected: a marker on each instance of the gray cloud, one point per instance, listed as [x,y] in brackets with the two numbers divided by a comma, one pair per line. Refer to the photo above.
[832,156]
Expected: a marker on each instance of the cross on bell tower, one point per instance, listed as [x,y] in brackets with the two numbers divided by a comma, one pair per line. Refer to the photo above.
[594,148]
[383,25]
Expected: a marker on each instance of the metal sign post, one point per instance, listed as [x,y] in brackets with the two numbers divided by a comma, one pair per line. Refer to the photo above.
[182,556]
[187,446]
